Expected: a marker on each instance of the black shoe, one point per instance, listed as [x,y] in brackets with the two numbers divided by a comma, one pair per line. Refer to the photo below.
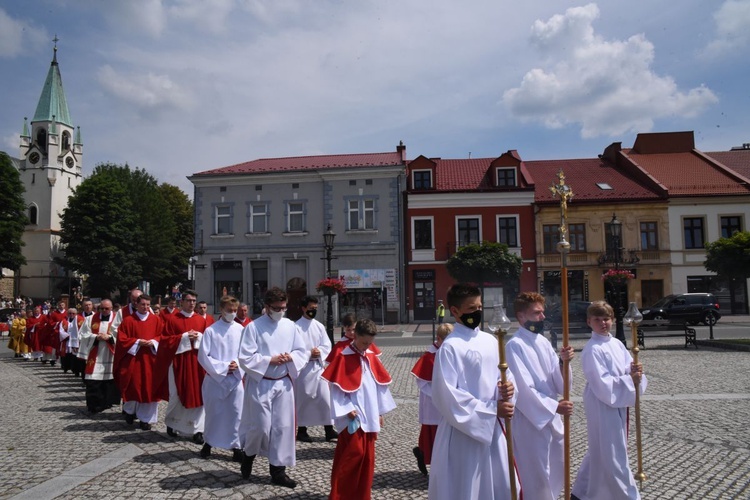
[171,432]
[52,363]
[279,477]
[17,355]
[44,361]
[145,426]
[198,438]
[331,435]
[247,466]
[420,460]
[237,455]
[302,435]
[206,451]
[128,417]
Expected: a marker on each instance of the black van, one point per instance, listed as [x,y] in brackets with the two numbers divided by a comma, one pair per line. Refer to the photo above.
[691,308]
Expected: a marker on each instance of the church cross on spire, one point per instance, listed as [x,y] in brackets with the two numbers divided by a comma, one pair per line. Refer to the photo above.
[54,57]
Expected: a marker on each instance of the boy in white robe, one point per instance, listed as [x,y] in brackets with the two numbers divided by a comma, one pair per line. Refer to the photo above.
[223,391]
[611,380]
[537,425]
[311,394]
[272,353]
[470,454]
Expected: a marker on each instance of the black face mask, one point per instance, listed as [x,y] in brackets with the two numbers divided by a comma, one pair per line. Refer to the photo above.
[534,326]
[310,313]
[471,320]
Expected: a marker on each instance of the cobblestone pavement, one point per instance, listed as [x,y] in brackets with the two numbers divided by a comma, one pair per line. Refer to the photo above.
[695,439]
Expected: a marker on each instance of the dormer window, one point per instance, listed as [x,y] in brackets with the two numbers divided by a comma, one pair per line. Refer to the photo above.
[506,176]
[421,179]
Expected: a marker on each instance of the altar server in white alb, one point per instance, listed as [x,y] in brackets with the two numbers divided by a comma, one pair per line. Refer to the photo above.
[611,380]
[223,391]
[470,455]
[272,353]
[537,424]
[311,394]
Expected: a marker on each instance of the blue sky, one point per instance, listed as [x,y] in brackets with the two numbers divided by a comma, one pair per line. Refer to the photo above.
[181,86]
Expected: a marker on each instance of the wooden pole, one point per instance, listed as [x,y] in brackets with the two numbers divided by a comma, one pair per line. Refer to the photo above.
[640,476]
[508,434]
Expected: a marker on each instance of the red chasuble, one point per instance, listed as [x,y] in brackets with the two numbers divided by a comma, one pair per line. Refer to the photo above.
[209,320]
[345,371]
[342,344]
[188,373]
[244,322]
[423,367]
[135,374]
[51,336]
[164,313]
[32,337]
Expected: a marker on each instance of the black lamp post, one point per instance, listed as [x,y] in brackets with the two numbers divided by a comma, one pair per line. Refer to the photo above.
[615,230]
[328,238]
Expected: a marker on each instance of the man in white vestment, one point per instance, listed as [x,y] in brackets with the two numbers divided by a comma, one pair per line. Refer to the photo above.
[272,353]
[97,347]
[223,391]
[470,455]
[312,395]
[537,424]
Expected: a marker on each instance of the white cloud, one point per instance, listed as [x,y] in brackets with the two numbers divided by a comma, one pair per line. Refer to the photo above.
[17,35]
[136,16]
[205,15]
[732,22]
[607,87]
[148,92]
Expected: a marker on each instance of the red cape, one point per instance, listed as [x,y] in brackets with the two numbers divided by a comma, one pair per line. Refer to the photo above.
[346,370]
[423,367]
[188,373]
[32,337]
[134,375]
[343,344]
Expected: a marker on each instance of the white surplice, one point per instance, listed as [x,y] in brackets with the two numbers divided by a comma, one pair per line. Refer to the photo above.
[223,392]
[104,357]
[269,394]
[470,454]
[537,427]
[311,393]
[184,420]
[609,391]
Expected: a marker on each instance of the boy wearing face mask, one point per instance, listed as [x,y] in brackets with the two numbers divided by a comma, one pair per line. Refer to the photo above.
[222,387]
[470,454]
[311,395]
[272,354]
[538,426]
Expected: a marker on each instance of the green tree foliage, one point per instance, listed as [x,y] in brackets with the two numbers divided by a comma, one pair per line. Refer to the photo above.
[484,264]
[142,222]
[730,257]
[12,215]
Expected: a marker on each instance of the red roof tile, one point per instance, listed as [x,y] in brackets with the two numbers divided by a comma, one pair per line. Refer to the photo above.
[470,174]
[688,174]
[297,163]
[737,159]
[583,175]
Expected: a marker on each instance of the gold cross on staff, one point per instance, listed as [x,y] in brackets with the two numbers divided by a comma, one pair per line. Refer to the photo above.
[565,194]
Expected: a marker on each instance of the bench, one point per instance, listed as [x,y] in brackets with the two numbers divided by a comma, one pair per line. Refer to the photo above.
[689,335]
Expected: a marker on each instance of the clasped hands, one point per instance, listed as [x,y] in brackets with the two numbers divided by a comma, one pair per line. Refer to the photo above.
[280,359]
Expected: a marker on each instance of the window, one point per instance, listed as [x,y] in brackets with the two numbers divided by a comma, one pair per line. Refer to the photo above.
[223,219]
[604,186]
[361,212]
[295,217]
[507,231]
[649,236]
[423,234]
[577,237]
[468,231]
[353,182]
[506,177]
[257,214]
[693,228]
[551,236]
[422,179]
[33,214]
[730,225]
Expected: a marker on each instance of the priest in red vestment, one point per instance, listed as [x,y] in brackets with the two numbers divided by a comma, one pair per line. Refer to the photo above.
[242,318]
[50,334]
[202,309]
[137,343]
[177,361]
[33,336]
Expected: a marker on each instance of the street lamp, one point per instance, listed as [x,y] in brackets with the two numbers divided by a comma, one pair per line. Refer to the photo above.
[328,238]
[615,230]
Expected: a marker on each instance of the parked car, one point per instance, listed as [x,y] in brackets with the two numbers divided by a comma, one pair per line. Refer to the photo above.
[576,316]
[691,308]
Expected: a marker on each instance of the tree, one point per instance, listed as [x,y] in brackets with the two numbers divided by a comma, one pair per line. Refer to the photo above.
[12,215]
[729,257]
[484,264]
[179,214]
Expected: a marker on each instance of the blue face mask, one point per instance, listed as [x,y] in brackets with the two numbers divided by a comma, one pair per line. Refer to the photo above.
[471,320]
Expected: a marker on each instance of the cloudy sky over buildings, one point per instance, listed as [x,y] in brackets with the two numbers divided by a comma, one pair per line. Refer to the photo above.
[181,86]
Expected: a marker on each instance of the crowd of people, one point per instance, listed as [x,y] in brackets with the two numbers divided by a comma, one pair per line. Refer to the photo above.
[254,387]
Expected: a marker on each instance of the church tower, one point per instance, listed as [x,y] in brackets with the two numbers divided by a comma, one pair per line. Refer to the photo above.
[51,160]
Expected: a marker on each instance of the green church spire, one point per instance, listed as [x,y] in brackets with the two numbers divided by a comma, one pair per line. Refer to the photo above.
[52,102]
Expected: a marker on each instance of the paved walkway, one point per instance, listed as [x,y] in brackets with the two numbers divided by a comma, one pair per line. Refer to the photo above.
[694,432]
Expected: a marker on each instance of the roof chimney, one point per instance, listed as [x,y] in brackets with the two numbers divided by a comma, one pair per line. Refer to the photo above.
[402,150]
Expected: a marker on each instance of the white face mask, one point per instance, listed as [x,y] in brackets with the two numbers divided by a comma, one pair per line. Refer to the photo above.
[228,316]
[276,316]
